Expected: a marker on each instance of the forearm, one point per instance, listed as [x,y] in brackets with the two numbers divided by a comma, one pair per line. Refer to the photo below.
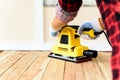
[62,17]
[57,23]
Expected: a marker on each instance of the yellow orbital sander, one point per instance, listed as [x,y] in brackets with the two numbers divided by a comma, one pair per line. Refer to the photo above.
[69,48]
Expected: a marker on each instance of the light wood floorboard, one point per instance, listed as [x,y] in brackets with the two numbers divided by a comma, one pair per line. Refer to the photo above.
[36,65]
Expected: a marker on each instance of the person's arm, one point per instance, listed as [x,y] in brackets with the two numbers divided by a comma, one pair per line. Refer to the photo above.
[65,12]
[57,23]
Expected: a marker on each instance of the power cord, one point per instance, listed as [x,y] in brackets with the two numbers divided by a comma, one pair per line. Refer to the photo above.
[107,38]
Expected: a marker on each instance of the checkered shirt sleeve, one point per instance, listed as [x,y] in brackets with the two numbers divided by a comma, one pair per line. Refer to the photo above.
[67,10]
[110,12]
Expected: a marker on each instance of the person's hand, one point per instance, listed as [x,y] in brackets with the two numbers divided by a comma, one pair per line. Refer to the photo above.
[57,25]
[53,32]
[96,25]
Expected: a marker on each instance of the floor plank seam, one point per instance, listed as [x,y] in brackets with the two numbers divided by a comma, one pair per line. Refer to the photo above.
[64,70]
[44,70]
[83,70]
[96,61]
[27,67]
[11,65]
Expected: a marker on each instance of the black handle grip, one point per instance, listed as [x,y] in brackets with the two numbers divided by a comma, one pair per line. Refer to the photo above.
[86,29]
[90,53]
[98,33]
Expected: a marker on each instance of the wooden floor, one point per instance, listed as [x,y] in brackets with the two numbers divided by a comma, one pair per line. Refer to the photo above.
[36,65]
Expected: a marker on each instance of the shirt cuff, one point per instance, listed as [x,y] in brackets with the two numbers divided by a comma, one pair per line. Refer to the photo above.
[64,15]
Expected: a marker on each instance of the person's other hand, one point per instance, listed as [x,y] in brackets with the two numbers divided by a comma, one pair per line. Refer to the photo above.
[96,25]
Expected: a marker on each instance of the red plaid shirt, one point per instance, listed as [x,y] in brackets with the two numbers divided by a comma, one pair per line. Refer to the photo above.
[110,12]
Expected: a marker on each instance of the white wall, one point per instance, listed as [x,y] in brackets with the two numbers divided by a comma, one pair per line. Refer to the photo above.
[17,20]
[89,2]
[19,23]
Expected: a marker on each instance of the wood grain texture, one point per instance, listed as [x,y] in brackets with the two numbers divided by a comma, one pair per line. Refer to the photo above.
[54,70]
[92,71]
[19,68]
[36,70]
[74,71]
[103,61]
[5,54]
[9,61]
[36,65]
